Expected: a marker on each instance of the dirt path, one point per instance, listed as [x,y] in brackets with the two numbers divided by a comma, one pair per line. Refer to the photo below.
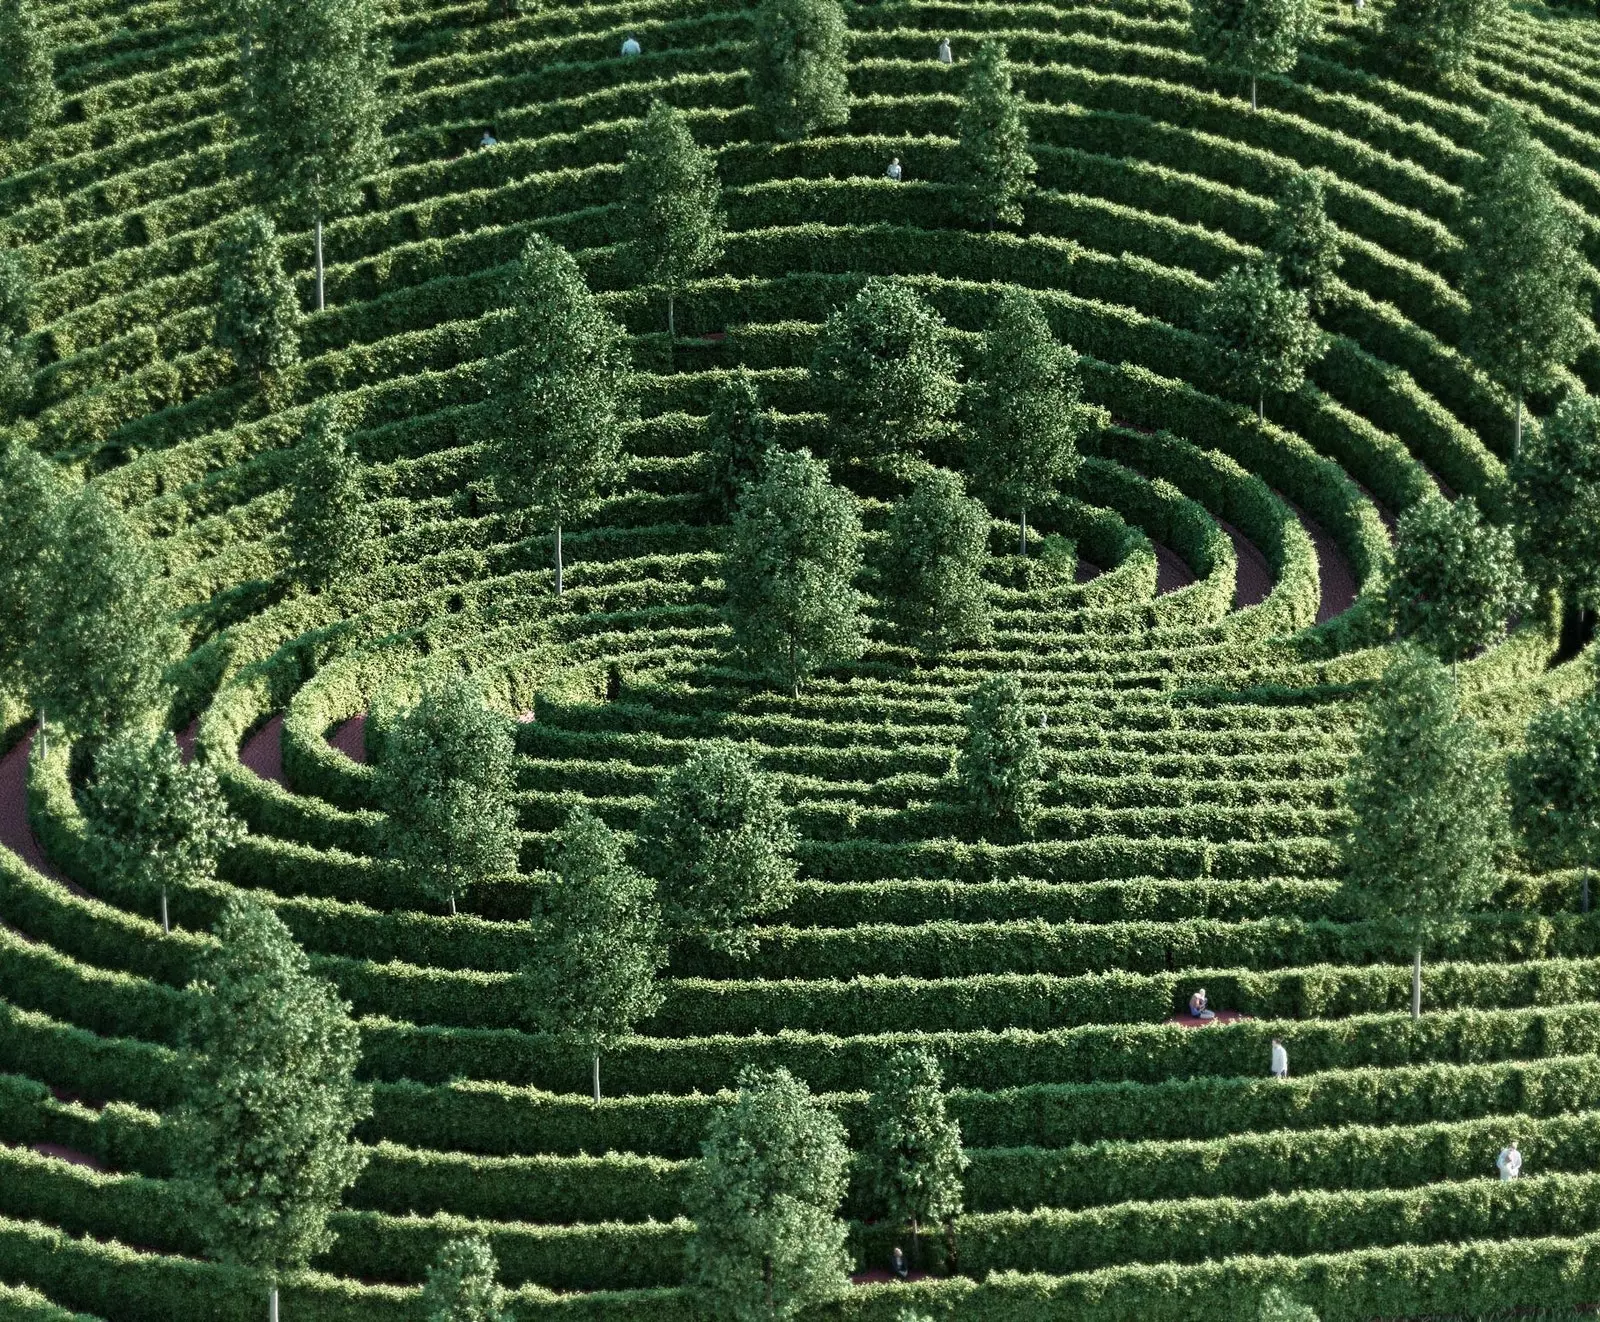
[1253,582]
[1171,571]
[1338,582]
[351,738]
[263,751]
[15,832]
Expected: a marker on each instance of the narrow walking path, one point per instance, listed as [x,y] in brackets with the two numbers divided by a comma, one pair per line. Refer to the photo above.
[350,738]
[1338,582]
[15,832]
[1172,572]
[1253,583]
[263,751]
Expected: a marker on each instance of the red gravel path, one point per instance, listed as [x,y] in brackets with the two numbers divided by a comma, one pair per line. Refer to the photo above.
[1338,582]
[1187,1020]
[1171,571]
[71,1155]
[1254,579]
[263,751]
[15,833]
[186,738]
[1087,572]
[351,738]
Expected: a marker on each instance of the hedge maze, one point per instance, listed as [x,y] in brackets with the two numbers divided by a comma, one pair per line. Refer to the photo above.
[1195,618]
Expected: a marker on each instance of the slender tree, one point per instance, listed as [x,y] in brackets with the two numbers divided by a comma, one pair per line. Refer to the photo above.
[310,103]
[1555,787]
[564,394]
[933,562]
[1024,409]
[1437,37]
[599,941]
[1252,36]
[998,764]
[1263,331]
[887,375]
[462,1284]
[1525,271]
[447,784]
[258,314]
[1555,499]
[914,1156]
[992,161]
[29,491]
[1304,241]
[102,638]
[717,839]
[1427,807]
[330,529]
[17,357]
[791,571]
[264,1139]
[28,96]
[797,66]
[672,200]
[155,824]
[737,439]
[1278,1306]
[768,1242]
[1456,580]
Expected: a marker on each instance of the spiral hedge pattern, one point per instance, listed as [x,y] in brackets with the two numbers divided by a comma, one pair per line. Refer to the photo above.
[1197,728]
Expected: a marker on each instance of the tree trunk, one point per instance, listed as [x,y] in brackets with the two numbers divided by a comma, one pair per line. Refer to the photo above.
[166,927]
[672,325]
[1252,91]
[272,1304]
[1416,985]
[916,1243]
[1261,408]
[766,1276]
[1586,890]
[596,1063]
[558,559]
[1516,436]
[1024,551]
[452,904]
[319,259]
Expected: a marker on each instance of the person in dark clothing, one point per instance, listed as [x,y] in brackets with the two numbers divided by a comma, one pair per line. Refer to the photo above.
[898,1265]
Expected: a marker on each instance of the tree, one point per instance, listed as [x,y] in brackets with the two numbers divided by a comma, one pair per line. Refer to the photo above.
[1304,241]
[768,1242]
[1252,36]
[887,376]
[28,96]
[791,571]
[672,201]
[1437,36]
[1455,580]
[933,561]
[29,490]
[16,351]
[1024,410]
[264,1137]
[310,103]
[1555,787]
[461,1285]
[737,439]
[717,839]
[103,638]
[1278,1306]
[914,1156]
[599,941]
[1525,270]
[447,784]
[1427,807]
[1264,332]
[998,765]
[258,314]
[992,160]
[154,823]
[330,528]
[797,80]
[563,395]
[1555,501]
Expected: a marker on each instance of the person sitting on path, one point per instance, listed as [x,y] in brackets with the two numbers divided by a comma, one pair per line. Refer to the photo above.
[488,139]
[1197,1006]
[630,47]
[1509,1162]
[945,57]
[898,1265]
[893,172]
[1280,1060]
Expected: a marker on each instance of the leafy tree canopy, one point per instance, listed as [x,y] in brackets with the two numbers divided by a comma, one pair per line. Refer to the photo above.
[1555,495]
[1304,241]
[28,96]
[29,490]
[1278,1306]
[1264,331]
[797,81]
[1252,36]
[258,313]
[998,765]
[933,561]
[1437,36]
[330,529]
[461,1284]
[993,166]
[914,1156]
[1555,785]
[737,439]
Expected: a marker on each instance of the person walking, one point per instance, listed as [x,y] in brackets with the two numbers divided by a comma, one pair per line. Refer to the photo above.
[630,47]
[1280,1060]
[1509,1162]
[893,172]
[945,57]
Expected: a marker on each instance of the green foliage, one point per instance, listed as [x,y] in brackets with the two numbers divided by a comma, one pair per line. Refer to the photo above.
[28,96]
[258,312]
[1525,270]
[461,1285]
[29,490]
[1456,580]
[718,842]
[672,201]
[1264,331]
[1252,36]
[154,822]
[768,1242]
[998,766]
[1426,800]
[598,937]
[1437,37]
[266,1150]
[1304,241]
[103,638]
[933,561]
[447,785]
[1024,410]
[886,375]
[1279,1306]
[791,571]
[993,168]
[1555,501]
[17,355]
[913,1154]
[737,439]
[330,528]
[1555,785]
[797,66]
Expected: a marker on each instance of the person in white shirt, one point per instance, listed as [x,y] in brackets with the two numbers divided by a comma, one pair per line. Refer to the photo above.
[893,172]
[945,57]
[1280,1060]
[630,47]
[1509,1162]
[488,139]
